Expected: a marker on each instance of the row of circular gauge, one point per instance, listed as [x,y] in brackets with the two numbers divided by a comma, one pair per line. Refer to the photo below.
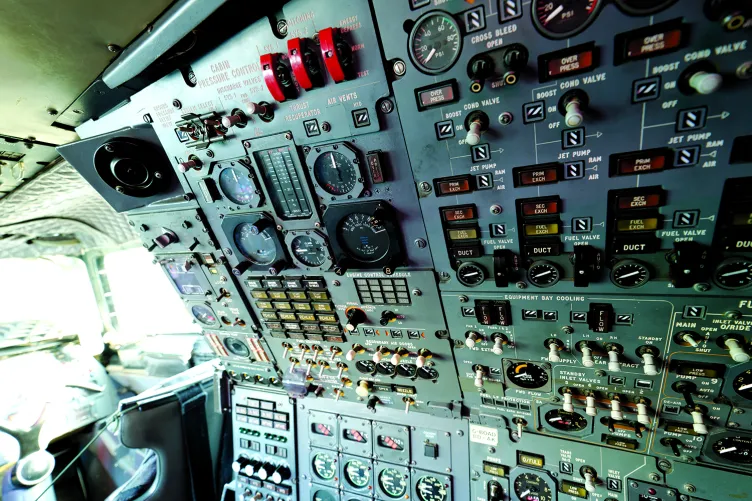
[410,371]
[435,40]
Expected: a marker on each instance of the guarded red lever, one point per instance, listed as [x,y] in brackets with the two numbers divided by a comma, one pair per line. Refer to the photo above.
[268,67]
[295,54]
[332,57]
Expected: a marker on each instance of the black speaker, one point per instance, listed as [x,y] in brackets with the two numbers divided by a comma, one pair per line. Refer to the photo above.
[128,167]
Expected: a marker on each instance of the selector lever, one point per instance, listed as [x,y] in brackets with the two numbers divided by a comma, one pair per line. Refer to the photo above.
[355,350]
[587,354]
[698,421]
[355,317]
[423,356]
[590,408]
[553,345]
[472,338]
[572,105]
[387,317]
[642,412]
[736,351]
[499,341]
[479,373]
[587,264]
[476,124]
[398,354]
[616,412]
[614,351]
[648,354]
[590,476]
[379,354]
[567,405]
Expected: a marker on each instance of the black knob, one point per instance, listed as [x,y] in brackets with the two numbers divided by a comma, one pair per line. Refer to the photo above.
[516,56]
[165,239]
[387,316]
[265,471]
[481,68]
[281,474]
[355,317]
[371,404]
[686,388]
[674,443]
[495,492]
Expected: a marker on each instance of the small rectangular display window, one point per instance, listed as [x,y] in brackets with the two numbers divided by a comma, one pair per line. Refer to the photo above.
[567,62]
[650,41]
[185,279]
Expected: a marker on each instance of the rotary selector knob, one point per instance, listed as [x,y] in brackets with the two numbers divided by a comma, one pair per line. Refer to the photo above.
[705,82]
[363,389]
[736,352]
[355,317]
[264,471]
[280,474]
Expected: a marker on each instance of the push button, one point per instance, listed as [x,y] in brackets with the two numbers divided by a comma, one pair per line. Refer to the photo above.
[687,157]
[646,89]
[484,181]
[573,138]
[475,19]
[480,153]
[574,170]
[444,129]
[361,118]
[691,119]
[533,112]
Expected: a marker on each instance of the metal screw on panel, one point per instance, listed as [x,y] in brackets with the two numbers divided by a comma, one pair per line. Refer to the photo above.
[464,299]
[417,292]
[420,243]
[600,373]
[114,48]
[109,148]
[236,272]
[119,189]
[654,477]
[246,144]
[336,283]
[495,209]
[158,175]
[567,329]
[425,187]
[737,410]
[506,118]
[690,488]
[399,67]
[701,287]
[188,197]
[664,465]
[52,111]
[670,493]
[386,106]
[143,227]
[177,104]
[446,434]
[210,153]
[491,450]
[460,433]
[148,119]
[634,485]
[282,27]
[733,314]
[288,136]
[444,276]
[326,126]
[228,251]
[733,425]
[521,285]
[684,497]
[449,470]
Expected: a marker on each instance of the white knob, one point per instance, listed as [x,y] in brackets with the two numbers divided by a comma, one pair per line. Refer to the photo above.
[396,358]
[248,470]
[613,361]
[705,83]
[276,477]
[377,356]
[589,482]
[690,339]
[698,424]
[573,117]
[420,361]
[236,466]
[498,347]
[473,134]
[568,407]
[649,367]
[341,370]
[362,390]
[472,338]
[256,109]
[286,350]
[736,352]
[590,408]
[321,371]
[587,357]
[408,403]
[616,412]
[262,474]
[478,378]
[310,366]
[350,355]
[553,353]
[642,414]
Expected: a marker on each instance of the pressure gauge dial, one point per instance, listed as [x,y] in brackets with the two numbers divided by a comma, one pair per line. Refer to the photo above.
[543,274]
[324,466]
[430,488]
[470,274]
[564,18]
[734,273]
[357,473]
[742,384]
[204,315]
[734,448]
[527,375]
[629,274]
[566,421]
[532,487]
[435,42]
[393,483]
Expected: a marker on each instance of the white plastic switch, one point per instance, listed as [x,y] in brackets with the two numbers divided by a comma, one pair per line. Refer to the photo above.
[553,353]
[286,350]
[478,378]
[690,339]
[590,408]
[473,133]
[471,339]
[705,83]
[573,117]
[698,423]
[350,356]
[567,406]
[377,356]
[649,368]
[613,361]
[420,361]
[642,414]
[736,352]
[323,367]
[256,109]
[310,364]
[334,352]
[587,357]
[498,347]
[362,390]
[616,412]
[396,359]
[520,425]
[589,482]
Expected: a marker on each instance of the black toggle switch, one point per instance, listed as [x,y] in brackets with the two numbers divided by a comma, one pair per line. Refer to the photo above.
[431,450]
[587,264]
[686,388]
[504,263]
[387,316]
[689,263]
[166,238]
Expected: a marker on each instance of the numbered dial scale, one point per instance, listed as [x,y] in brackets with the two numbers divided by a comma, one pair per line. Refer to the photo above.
[564,18]
[238,183]
[309,250]
[335,170]
[255,243]
[435,42]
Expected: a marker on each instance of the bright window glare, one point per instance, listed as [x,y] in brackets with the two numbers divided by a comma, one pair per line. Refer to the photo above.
[55,290]
[145,301]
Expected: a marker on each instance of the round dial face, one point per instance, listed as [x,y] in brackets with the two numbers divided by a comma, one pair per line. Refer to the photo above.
[334,173]
[430,488]
[735,273]
[527,375]
[734,448]
[543,274]
[531,487]
[238,186]
[643,7]
[309,251]
[630,274]
[407,370]
[471,274]
[259,247]
[236,347]
[204,315]
[324,496]
[324,466]
[435,42]
[564,18]
[357,473]
[365,366]
[566,421]
[392,482]
[743,384]
[363,238]
[428,373]
[386,368]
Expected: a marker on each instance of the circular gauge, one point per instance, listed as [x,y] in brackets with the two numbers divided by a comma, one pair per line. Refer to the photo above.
[531,487]
[309,251]
[363,237]
[428,373]
[566,421]
[324,496]
[543,274]
[734,448]
[238,186]
[643,7]
[386,368]
[365,366]
[742,384]
[335,173]
[204,315]
[258,246]
[629,274]
[392,482]
[357,473]
[471,274]
[527,375]
[435,42]
[430,488]
[324,466]
[564,18]
[734,273]
[407,370]
[236,347]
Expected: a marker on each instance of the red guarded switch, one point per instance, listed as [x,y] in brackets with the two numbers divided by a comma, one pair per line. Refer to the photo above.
[277,77]
[305,65]
[337,55]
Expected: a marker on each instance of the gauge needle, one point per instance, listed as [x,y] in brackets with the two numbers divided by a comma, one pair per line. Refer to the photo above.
[556,419]
[543,274]
[728,449]
[525,493]
[745,387]
[629,274]
[555,13]
[472,274]
[735,272]
[430,55]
